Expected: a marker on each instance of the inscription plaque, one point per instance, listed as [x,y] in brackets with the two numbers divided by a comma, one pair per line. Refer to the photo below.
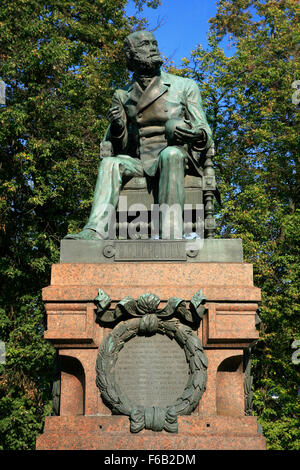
[152,370]
[148,250]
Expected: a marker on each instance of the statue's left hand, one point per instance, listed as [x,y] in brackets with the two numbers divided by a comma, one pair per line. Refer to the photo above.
[189,136]
[115,117]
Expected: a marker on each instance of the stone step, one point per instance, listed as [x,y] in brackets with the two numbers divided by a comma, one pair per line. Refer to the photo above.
[192,425]
[112,432]
[82,440]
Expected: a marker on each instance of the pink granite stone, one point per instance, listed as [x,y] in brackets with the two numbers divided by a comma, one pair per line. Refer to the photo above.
[112,433]
[227,328]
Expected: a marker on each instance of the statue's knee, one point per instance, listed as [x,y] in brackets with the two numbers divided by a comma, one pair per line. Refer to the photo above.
[171,153]
[107,161]
[110,162]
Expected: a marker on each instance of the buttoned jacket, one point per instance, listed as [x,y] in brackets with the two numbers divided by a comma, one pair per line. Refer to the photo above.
[145,113]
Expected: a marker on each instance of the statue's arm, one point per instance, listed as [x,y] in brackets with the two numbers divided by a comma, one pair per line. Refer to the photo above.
[117,132]
[197,117]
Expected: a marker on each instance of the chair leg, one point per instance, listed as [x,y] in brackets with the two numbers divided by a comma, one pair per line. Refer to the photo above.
[209,185]
[209,221]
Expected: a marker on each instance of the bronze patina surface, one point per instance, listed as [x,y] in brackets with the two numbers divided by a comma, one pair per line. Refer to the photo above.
[157,129]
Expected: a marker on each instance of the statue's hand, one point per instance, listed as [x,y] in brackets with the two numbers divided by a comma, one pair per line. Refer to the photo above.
[115,118]
[190,136]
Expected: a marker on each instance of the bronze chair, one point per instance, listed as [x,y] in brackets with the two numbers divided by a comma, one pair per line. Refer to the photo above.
[198,190]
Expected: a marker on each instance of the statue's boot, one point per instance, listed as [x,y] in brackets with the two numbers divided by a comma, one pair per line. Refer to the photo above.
[86,234]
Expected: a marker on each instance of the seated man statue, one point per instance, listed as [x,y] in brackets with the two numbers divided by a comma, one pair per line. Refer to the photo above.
[157,128]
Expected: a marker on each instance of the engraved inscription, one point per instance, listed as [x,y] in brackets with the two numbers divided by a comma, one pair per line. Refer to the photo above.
[152,371]
[150,251]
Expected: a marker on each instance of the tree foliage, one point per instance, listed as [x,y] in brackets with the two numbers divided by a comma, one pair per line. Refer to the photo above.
[255,123]
[60,61]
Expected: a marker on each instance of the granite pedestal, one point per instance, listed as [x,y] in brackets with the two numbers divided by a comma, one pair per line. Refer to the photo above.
[227,330]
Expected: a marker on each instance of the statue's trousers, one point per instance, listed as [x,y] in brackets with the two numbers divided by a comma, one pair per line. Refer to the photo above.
[171,193]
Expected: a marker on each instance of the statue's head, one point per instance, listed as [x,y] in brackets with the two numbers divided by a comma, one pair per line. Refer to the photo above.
[142,54]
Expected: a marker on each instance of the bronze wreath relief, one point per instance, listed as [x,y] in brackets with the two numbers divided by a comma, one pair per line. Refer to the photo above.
[143,318]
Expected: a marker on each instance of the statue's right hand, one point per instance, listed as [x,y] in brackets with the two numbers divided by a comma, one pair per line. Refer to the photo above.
[115,118]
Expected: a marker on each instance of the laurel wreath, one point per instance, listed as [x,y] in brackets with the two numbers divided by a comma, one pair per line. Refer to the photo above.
[154,418]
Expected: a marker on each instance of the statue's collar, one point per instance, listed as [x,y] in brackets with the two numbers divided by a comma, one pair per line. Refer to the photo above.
[161,78]
[145,80]
[154,90]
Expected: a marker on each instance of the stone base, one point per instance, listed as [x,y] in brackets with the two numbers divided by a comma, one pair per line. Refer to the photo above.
[112,433]
[192,251]
[226,332]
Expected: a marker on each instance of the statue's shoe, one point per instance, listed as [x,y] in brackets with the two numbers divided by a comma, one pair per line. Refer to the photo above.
[83,235]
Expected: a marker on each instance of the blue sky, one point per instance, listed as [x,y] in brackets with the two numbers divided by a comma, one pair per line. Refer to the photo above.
[184,25]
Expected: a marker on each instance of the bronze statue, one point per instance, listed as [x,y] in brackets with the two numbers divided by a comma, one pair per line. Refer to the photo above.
[157,129]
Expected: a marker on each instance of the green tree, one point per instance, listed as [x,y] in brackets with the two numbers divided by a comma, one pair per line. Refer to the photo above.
[60,61]
[255,123]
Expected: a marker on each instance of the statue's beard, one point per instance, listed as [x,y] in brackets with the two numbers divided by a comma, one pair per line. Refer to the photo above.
[146,66]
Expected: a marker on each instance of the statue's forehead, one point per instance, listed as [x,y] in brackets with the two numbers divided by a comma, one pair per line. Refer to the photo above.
[141,35]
